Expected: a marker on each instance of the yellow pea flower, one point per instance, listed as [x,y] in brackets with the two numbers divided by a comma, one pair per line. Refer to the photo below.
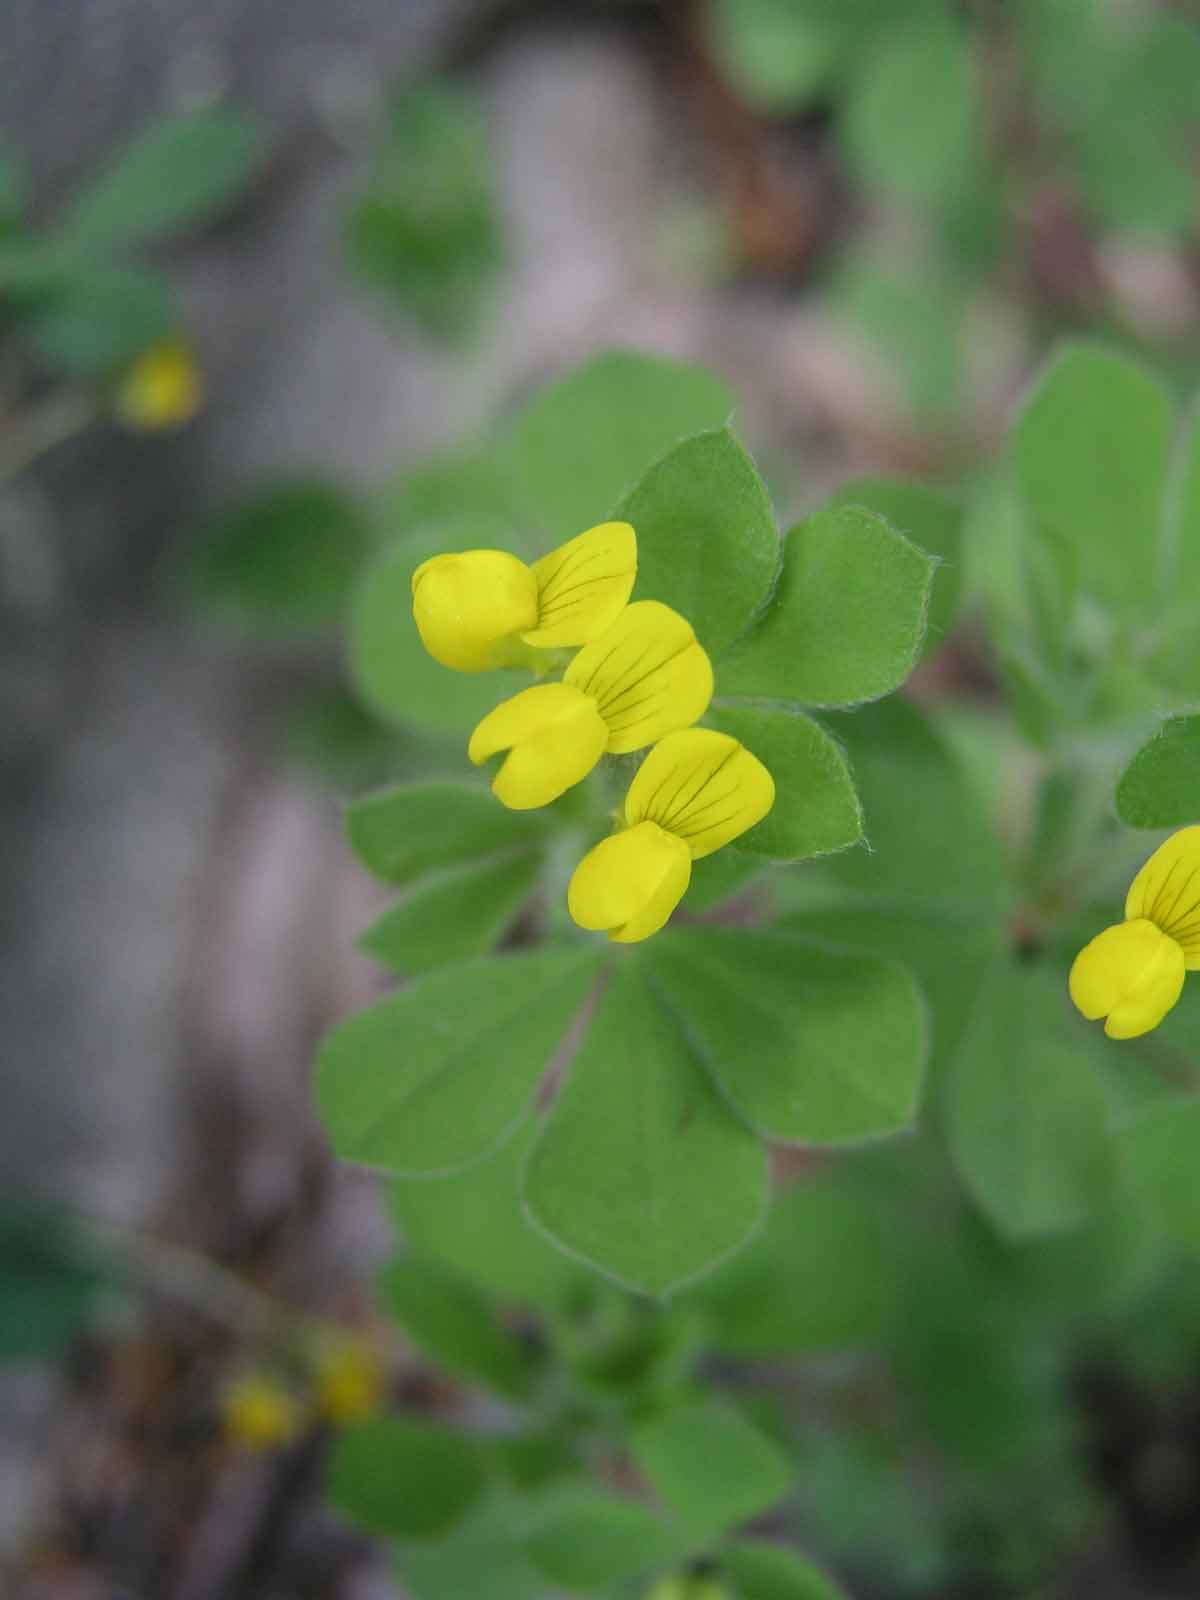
[1132,973]
[642,678]
[161,389]
[349,1382]
[259,1414]
[694,792]
[476,609]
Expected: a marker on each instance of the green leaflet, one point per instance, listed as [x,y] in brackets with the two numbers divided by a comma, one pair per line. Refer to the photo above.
[288,556]
[762,1571]
[1092,445]
[816,809]
[452,914]
[711,1467]
[405,831]
[707,542]
[433,1077]
[454,1324]
[176,174]
[846,620]
[1158,1150]
[405,1479]
[475,1223]
[819,1277]
[1160,788]
[640,1169]
[809,1043]
[911,782]
[582,1538]
[579,447]
[911,114]
[1026,1110]
[931,520]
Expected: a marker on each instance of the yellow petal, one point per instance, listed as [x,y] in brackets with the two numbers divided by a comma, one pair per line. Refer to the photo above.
[629,884]
[1132,974]
[554,736]
[162,389]
[583,586]
[1167,890]
[259,1414]
[702,786]
[470,608]
[646,673]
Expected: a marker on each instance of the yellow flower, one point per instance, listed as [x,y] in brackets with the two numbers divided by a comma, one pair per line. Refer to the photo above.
[162,388]
[350,1382]
[476,610]
[1132,973]
[694,792]
[684,1586]
[259,1414]
[644,677]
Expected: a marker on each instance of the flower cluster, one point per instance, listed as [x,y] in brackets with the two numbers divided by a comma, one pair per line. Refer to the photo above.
[638,679]
[343,1381]
[1132,973]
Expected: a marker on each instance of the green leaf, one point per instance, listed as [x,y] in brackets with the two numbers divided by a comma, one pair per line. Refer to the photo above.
[640,1169]
[481,1559]
[405,831]
[775,54]
[816,809]
[809,1043]
[460,912]
[1158,1151]
[425,230]
[707,543]
[389,665]
[581,1538]
[405,1479]
[581,445]
[817,1278]
[453,1324]
[49,1283]
[911,782]
[911,113]
[178,173]
[433,1077]
[1026,1111]
[711,1467]
[103,318]
[1092,446]
[475,1223]
[1160,788]
[287,557]
[762,1571]
[846,620]
[931,520]
[949,956]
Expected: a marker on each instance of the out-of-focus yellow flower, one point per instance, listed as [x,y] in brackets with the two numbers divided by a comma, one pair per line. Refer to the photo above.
[349,1382]
[643,677]
[683,1586]
[1132,973]
[478,609]
[695,791]
[259,1413]
[162,389]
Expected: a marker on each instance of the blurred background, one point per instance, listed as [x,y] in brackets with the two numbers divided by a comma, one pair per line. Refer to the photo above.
[255,262]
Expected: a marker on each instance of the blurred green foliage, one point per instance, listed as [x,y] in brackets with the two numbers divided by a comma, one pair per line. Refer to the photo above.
[424,232]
